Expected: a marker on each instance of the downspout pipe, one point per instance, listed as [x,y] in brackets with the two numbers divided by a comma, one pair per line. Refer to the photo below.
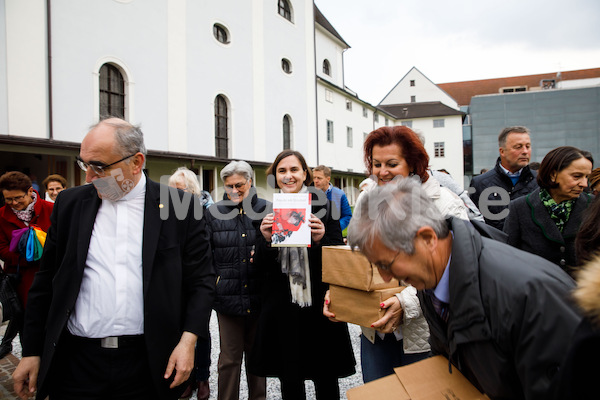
[49,68]
[316,86]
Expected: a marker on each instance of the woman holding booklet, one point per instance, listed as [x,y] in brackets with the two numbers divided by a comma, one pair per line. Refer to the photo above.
[401,336]
[295,342]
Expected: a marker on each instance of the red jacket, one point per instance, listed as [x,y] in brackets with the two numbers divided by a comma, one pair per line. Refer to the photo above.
[8,223]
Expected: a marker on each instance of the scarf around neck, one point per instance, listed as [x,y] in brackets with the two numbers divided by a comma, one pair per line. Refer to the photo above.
[26,215]
[294,264]
[559,212]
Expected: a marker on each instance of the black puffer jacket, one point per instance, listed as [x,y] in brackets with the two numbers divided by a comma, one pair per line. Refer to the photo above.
[239,282]
[497,179]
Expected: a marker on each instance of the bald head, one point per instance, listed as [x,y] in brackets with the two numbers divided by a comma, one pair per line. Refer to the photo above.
[111,140]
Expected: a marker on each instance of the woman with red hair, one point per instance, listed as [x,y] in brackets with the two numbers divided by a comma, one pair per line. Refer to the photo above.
[401,336]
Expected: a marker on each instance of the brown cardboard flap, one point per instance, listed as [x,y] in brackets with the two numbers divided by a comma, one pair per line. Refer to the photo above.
[430,379]
[344,267]
[386,388]
[357,306]
[424,380]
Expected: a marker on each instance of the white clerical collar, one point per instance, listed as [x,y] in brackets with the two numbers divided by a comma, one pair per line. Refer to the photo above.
[138,190]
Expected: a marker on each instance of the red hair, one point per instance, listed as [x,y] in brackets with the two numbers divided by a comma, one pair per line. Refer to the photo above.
[411,147]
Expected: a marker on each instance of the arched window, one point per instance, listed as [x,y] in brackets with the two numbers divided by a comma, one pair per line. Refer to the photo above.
[112,92]
[220,33]
[286,65]
[287,132]
[284,9]
[221,129]
[326,67]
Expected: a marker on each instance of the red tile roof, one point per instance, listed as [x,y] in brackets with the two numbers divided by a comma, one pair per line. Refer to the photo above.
[463,91]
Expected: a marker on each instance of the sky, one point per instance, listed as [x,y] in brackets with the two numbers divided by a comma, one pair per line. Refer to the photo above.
[461,40]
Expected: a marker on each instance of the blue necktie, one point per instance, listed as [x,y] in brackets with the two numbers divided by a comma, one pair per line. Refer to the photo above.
[440,307]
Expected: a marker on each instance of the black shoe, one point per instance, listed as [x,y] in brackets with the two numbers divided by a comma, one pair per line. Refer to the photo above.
[5,348]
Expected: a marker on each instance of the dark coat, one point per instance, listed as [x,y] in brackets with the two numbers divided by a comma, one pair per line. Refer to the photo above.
[497,178]
[8,223]
[510,320]
[295,341]
[578,374]
[239,282]
[178,278]
[530,228]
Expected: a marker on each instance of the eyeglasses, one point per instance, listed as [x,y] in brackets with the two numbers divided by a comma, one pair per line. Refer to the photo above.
[16,199]
[387,267]
[98,167]
[238,186]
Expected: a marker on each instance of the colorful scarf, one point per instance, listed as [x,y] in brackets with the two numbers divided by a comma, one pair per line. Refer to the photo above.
[26,215]
[559,212]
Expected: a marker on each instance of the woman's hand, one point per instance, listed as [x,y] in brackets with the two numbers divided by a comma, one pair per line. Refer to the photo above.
[326,311]
[392,317]
[266,227]
[317,228]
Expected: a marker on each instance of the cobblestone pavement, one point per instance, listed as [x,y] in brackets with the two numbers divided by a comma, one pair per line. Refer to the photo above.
[8,364]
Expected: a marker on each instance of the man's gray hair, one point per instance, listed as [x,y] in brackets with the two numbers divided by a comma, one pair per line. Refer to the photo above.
[129,138]
[237,168]
[510,129]
[393,213]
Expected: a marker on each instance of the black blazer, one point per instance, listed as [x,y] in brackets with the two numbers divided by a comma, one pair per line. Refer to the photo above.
[178,277]
[530,228]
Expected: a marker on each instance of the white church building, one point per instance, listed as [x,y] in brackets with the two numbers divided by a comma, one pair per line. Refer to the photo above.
[208,81]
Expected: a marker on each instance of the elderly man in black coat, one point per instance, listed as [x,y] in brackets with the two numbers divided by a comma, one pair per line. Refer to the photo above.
[502,316]
[126,283]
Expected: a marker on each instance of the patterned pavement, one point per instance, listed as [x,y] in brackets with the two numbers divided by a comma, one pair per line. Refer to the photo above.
[7,366]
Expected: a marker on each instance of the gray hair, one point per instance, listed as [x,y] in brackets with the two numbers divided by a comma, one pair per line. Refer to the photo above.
[129,138]
[508,130]
[393,213]
[186,177]
[237,168]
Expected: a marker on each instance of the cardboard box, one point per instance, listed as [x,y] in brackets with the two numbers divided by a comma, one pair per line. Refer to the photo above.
[344,267]
[358,306]
[429,379]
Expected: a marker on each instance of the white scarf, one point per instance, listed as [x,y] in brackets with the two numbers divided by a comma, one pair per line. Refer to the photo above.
[294,263]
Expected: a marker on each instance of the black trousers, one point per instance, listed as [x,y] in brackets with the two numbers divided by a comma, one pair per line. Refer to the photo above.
[83,370]
[326,388]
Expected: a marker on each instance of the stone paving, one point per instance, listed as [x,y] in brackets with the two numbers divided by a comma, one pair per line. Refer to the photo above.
[8,364]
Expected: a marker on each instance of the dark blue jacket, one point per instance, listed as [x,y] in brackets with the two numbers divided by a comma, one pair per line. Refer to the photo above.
[496,178]
[239,282]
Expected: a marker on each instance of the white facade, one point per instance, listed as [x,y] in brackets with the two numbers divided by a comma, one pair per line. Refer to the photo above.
[174,68]
[24,59]
[414,83]
[450,137]
[415,87]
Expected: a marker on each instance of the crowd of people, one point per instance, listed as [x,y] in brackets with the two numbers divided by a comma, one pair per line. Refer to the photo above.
[501,278]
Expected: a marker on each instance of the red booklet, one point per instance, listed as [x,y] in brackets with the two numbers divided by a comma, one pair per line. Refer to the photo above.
[291,212]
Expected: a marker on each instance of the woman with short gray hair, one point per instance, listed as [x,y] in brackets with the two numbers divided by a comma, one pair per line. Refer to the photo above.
[233,226]
[241,168]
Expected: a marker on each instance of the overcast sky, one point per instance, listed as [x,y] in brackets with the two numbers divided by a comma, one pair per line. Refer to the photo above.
[461,40]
